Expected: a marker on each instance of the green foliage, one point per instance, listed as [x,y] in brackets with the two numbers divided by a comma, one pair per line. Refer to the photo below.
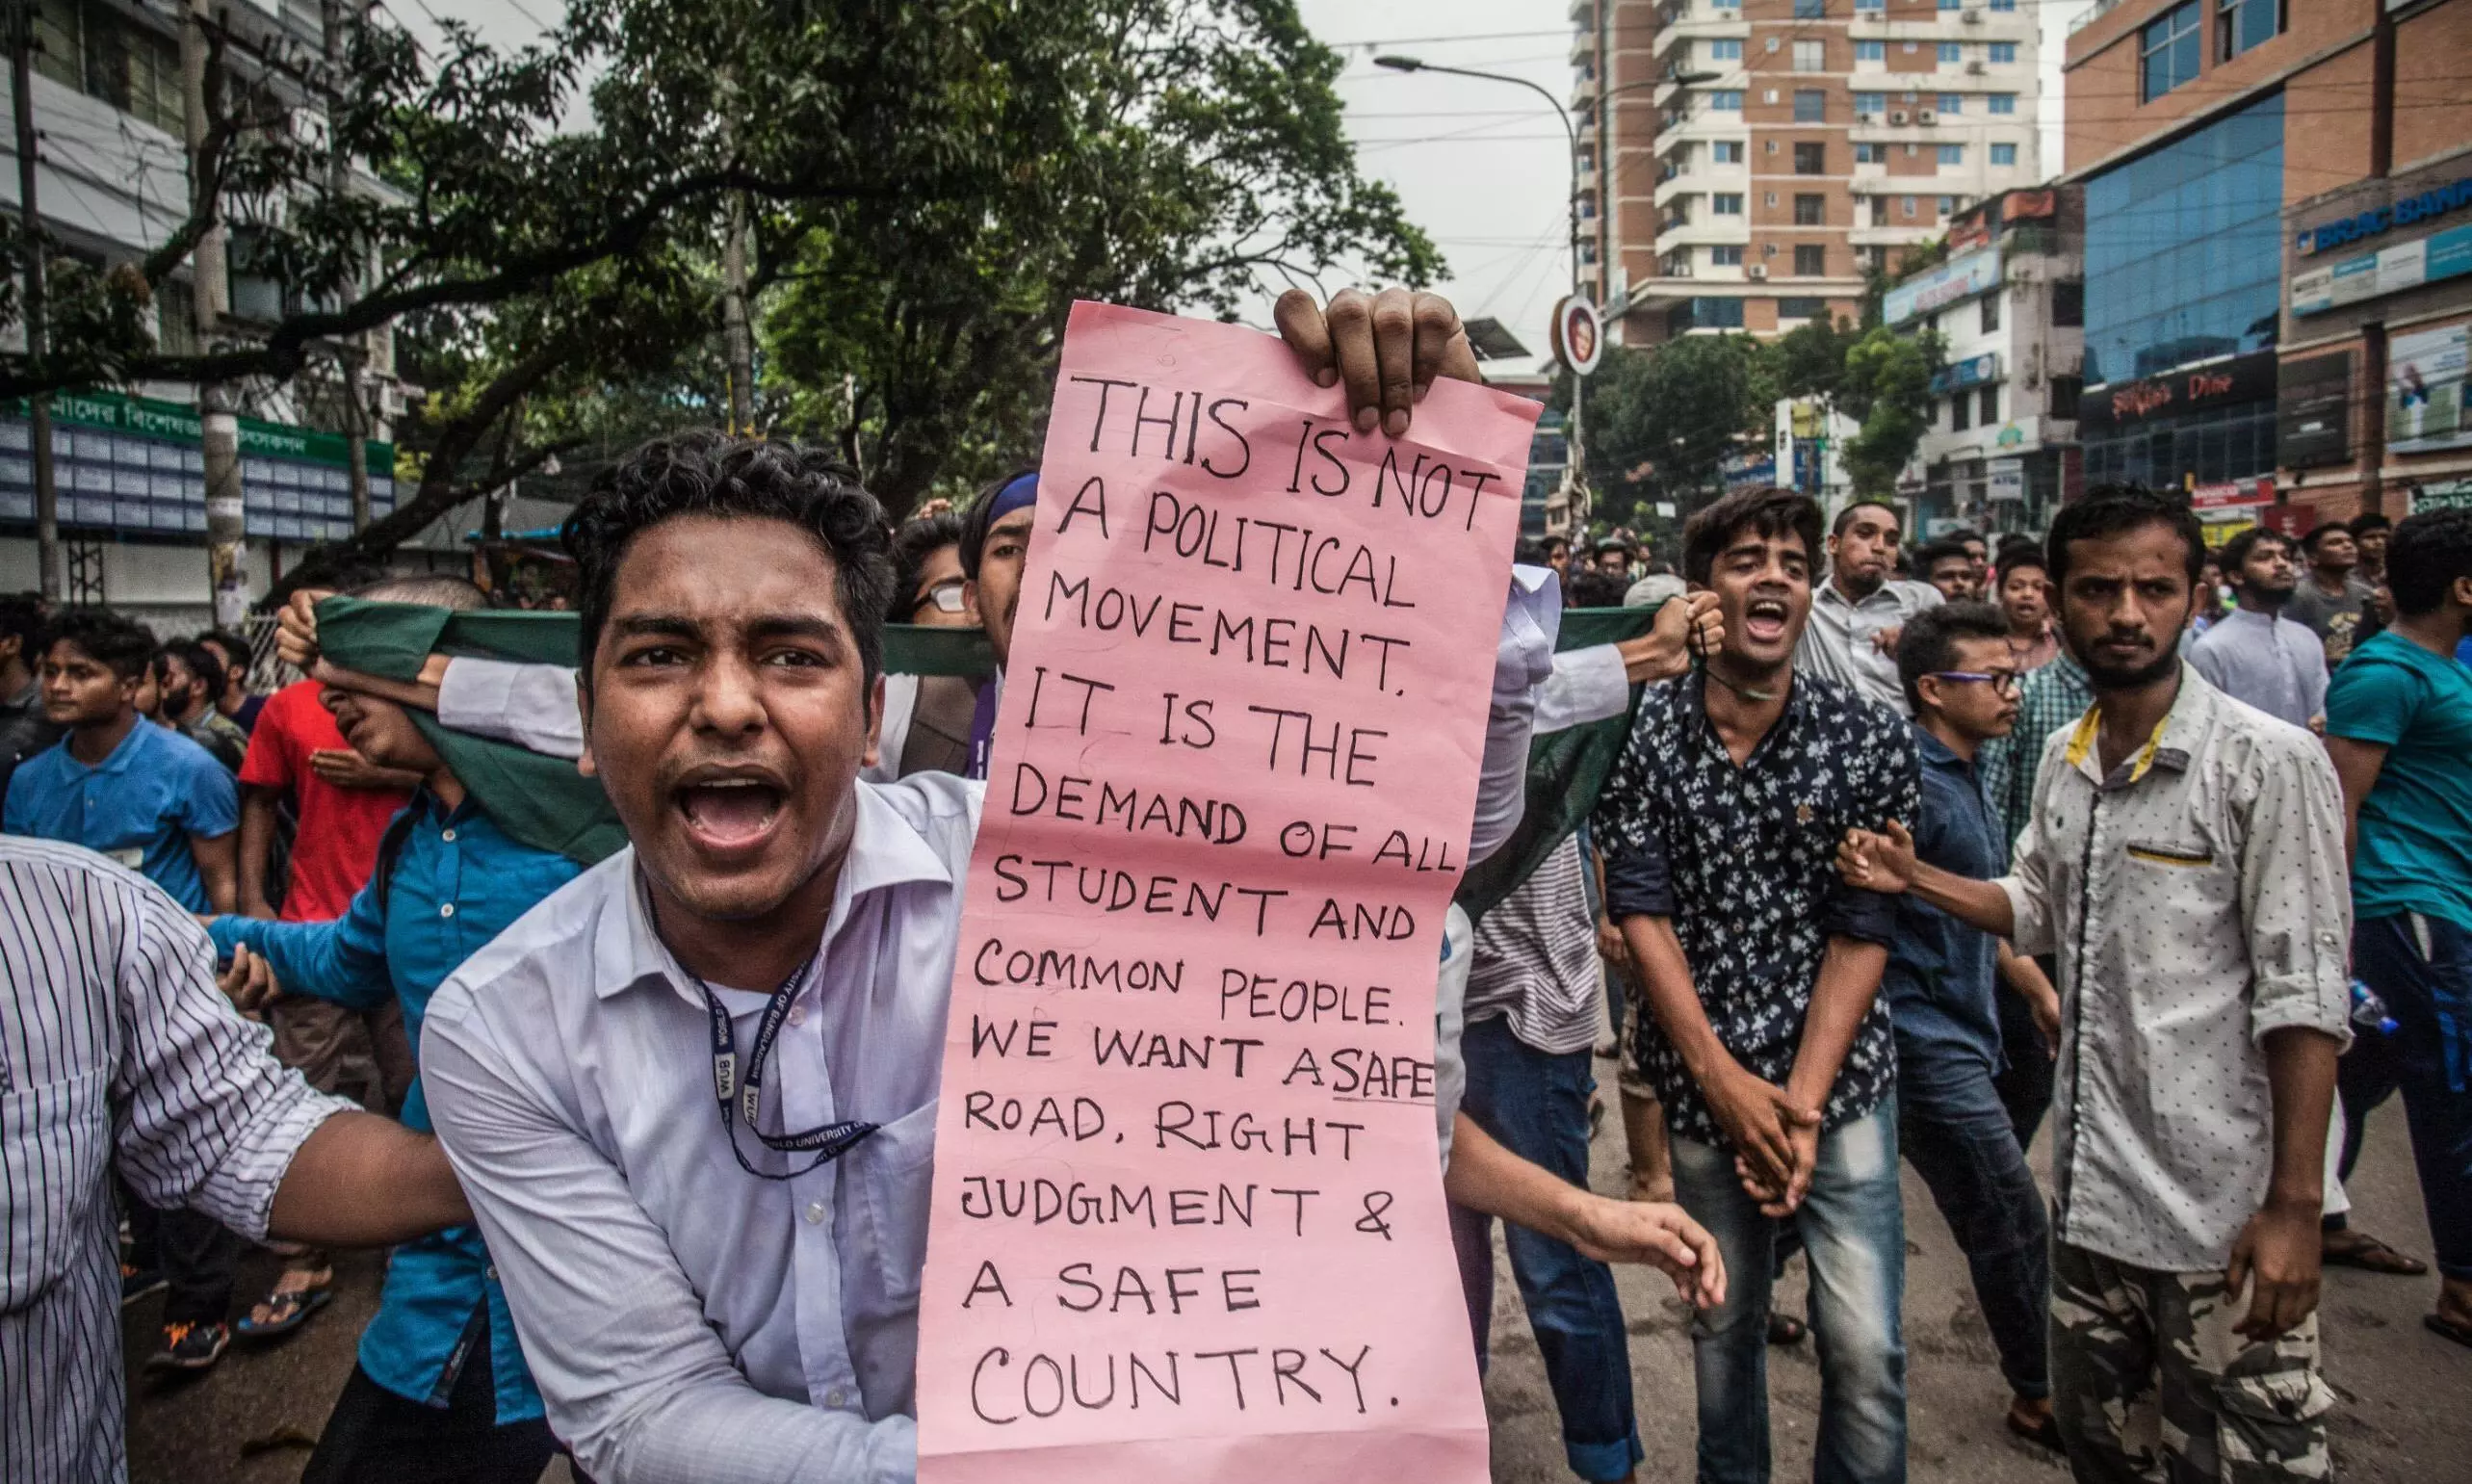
[1886,386]
[1658,422]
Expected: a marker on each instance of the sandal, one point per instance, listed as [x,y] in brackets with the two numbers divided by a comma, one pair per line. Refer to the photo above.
[286,1308]
[2372,1255]
[2441,1325]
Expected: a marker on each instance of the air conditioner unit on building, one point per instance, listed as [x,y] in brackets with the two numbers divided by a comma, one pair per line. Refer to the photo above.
[1974,68]
[1866,118]
[1926,115]
[1974,17]
[1759,270]
[1898,115]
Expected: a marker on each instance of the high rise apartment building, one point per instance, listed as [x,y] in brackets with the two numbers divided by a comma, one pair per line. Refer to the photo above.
[1744,162]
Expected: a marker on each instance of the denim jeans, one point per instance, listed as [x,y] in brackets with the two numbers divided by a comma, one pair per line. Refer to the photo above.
[1853,1233]
[2426,1059]
[1958,1138]
[1536,1104]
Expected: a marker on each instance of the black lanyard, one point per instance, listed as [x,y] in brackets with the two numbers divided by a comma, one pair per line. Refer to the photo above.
[828,1142]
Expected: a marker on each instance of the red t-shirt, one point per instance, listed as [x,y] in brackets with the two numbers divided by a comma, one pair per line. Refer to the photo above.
[336,847]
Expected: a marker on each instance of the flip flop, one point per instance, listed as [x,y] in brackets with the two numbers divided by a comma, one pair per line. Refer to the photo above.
[2445,1328]
[2372,1255]
[290,1309]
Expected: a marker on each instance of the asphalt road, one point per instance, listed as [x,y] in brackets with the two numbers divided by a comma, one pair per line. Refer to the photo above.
[2405,1415]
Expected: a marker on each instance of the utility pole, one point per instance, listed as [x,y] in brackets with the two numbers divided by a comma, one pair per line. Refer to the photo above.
[738,341]
[22,83]
[352,350]
[217,416]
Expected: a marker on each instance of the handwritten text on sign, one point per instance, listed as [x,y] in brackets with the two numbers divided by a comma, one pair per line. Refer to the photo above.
[1188,1220]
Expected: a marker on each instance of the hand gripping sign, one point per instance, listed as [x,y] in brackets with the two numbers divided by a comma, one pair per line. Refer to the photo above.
[1188,1222]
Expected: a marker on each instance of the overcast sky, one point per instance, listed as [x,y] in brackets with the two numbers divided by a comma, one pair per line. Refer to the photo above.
[1483,166]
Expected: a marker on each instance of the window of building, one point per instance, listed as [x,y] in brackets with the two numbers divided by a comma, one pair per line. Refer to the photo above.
[1870,51]
[1811,56]
[1726,151]
[1951,154]
[2004,53]
[1951,54]
[2066,391]
[1870,154]
[1811,210]
[1726,100]
[2002,102]
[1952,5]
[1729,255]
[1811,9]
[1726,203]
[1724,51]
[1873,103]
[1707,312]
[1989,411]
[109,56]
[1947,207]
[1861,6]
[1907,206]
[1959,407]
[1810,260]
[1880,210]
[1772,198]
[2004,5]
[1952,104]
[2167,50]
[176,310]
[1989,313]
[1810,158]
[2069,303]
[2004,154]
[1811,105]
[1801,308]
[2240,24]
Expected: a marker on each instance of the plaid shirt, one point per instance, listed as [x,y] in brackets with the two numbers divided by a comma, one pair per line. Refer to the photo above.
[2053,697]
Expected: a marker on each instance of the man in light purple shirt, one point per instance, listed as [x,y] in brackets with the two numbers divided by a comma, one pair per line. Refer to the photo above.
[2253,654]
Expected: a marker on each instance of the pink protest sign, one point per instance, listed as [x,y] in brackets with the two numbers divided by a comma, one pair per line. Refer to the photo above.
[1188,1218]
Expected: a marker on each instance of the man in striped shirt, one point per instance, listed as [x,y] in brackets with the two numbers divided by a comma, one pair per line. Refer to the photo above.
[117,1049]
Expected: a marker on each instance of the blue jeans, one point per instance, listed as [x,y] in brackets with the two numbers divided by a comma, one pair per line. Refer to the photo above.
[2427,1058]
[1535,1104]
[1956,1134]
[1853,1228]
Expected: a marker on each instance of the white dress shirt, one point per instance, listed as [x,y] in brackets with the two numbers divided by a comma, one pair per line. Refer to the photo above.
[2197,899]
[2260,660]
[682,1319]
[1838,641]
[118,1051]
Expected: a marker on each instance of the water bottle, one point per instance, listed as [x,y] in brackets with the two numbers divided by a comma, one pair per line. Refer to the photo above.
[2368,1011]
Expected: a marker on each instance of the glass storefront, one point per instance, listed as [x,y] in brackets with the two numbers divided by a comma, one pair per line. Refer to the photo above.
[2184,248]
[2211,445]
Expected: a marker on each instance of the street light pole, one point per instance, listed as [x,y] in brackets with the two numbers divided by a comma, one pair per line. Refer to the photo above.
[1578,383]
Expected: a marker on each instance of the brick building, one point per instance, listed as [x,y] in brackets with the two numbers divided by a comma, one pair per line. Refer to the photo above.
[1811,140]
[2278,247]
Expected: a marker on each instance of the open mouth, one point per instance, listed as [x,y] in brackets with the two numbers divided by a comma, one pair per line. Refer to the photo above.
[1764,619]
[729,813]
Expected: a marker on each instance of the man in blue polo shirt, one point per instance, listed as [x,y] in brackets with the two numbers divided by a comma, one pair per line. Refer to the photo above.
[2399,729]
[144,795]
[160,805]
[440,1393]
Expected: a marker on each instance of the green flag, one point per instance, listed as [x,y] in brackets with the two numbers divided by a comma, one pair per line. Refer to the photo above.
[1566,769]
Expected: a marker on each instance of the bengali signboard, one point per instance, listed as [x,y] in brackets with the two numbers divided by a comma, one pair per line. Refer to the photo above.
[1960,277]
[133,464]
[1187,1217]
[2233,378]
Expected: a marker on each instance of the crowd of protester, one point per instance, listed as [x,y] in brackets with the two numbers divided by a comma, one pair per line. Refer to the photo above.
[1903,850]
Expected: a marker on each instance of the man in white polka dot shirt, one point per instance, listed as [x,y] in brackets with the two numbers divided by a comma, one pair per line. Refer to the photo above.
[2185,861]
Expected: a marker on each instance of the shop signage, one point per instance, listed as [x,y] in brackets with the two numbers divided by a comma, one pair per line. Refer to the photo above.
[2445,495]
[2008,481]
[2425,391]
[2313,421]
[2432,260]
[2234,378]
[1748,471]
[1960,277]
[1973,371]
[2235,495]
[2437,201]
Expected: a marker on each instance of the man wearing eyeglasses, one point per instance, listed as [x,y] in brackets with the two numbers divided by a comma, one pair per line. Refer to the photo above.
[1961,678]
[927,718]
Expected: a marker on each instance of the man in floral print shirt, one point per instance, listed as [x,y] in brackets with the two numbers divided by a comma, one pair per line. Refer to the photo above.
[1768,1045]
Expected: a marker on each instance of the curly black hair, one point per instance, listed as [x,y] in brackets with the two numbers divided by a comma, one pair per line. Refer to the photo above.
[2114,509]
[918,538]
[1763,510]
[705,473]
[121,645]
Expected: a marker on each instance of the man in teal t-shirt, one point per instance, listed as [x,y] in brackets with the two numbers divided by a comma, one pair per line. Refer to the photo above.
[2398,728]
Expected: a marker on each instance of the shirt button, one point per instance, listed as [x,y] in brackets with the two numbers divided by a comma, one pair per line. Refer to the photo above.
[834,1398]
[815,1213]
[797,1015]
[446,909]
[447,834]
